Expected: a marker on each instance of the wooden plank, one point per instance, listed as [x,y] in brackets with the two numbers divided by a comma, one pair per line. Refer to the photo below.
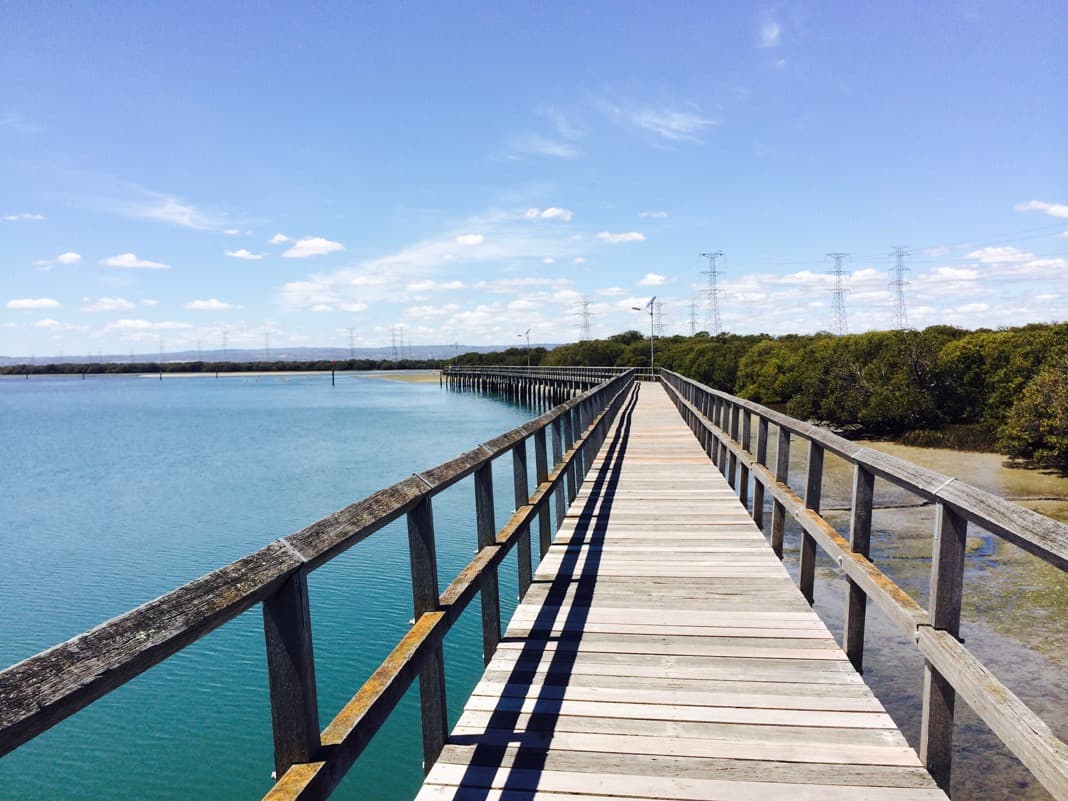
[661,636]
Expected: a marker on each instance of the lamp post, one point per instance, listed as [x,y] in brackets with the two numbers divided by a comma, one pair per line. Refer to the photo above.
[649,306]
[527,335]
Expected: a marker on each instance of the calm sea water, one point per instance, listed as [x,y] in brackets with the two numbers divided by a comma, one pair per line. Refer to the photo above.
[115,490]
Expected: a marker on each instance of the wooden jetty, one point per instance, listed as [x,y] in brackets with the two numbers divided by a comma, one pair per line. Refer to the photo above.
[662,651]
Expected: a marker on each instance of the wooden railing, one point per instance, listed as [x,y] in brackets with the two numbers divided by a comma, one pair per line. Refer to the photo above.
[724,425]
[43,690]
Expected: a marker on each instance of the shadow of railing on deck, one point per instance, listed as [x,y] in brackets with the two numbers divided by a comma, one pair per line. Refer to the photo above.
[491,747]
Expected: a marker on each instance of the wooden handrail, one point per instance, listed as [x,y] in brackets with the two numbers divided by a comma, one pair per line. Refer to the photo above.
[950,669]
[42,690]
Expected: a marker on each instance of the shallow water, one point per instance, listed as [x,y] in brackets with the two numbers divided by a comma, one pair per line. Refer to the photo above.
[1014,612]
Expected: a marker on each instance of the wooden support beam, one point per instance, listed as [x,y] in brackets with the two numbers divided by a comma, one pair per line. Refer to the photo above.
[859,543]
[541,472]
[521,485]
[291,673]
[424,564]
[489,586]
[813,490]
[939,697]
[762,459]
[782,475]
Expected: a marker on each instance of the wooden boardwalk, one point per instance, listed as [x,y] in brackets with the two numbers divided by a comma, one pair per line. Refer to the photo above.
[663,652]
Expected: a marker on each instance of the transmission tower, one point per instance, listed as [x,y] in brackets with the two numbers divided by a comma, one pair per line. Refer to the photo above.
[712,293]
[693,317]
[900,273]
[658,318]
[352,343]
[585,319]
[266,347]
[393,335]
[838,293]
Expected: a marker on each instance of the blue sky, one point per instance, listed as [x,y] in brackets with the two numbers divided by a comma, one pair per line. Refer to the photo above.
[463,172]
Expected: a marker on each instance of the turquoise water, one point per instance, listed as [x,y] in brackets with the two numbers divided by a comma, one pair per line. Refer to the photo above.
[117,489]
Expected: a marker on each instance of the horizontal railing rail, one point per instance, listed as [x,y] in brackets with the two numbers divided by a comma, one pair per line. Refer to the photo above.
[43,690]
[724,425]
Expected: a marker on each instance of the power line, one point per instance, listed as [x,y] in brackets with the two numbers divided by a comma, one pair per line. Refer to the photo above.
[899,273]
[839,326]
[712,293]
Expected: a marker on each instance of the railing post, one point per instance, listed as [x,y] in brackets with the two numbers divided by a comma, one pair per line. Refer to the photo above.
[732,464]
[782,475]
[522,496]
[762,459]
[860,543]
[541,472]
[743,479]
[489,589]
[725,427]
[939,697]
[558,455]
[813,489]
[717,406]
[424,564]
[291,674]
[569,441]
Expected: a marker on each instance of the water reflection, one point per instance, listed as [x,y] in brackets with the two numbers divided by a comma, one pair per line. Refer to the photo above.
[1013,616]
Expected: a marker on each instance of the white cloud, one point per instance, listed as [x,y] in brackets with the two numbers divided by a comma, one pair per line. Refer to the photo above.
[652,279]
[551,213]
[612,291]
[676,126]
[107,305]
[548,260]
[432,286]
[669,124]
[935,252]
[535,145]
[22,217]
[68,258]
[55,325]
[770,34]
[470,239]
[1000,255]
[34,303]
[278,239]
[167,208]
[1052,209]
[144,325]
[232,231]
[212,304]
[1063,235]
[149,302]
[130,261]
[352,307]
[615,239]
[656,215]
[579,260]
[312,246]
[244,253]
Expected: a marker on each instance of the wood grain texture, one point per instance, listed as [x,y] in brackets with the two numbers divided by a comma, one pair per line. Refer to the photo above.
[662,651]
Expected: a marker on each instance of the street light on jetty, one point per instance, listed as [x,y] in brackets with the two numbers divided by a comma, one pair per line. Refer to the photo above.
[527,335]
[649,306]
